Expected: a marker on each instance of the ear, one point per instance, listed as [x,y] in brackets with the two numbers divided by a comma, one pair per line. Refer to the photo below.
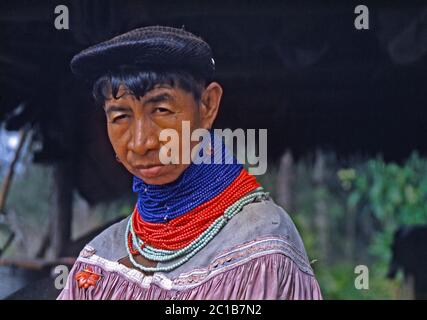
[210,101]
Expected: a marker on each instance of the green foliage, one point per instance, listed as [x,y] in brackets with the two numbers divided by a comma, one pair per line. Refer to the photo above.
[27,209]
[337,282]
[30,194]
[393,195]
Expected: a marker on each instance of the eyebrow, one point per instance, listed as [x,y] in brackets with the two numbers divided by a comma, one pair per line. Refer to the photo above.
[114,108]
[154,99]
[159,98]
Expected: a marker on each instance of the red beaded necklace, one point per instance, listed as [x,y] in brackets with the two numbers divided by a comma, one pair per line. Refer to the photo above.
[181,231]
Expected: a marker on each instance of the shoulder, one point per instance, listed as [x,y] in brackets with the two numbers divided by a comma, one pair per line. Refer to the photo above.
[262,228]
[266,219]
[109,244]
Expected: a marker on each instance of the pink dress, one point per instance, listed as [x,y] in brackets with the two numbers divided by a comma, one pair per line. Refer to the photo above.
[257,255]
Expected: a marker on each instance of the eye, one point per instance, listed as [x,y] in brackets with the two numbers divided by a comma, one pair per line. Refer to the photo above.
[119,117]
[161,110]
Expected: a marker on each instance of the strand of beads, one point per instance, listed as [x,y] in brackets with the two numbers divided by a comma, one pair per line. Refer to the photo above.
[194,247]
[178,233]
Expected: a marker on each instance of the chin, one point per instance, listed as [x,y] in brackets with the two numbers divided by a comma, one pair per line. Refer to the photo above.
[172,173]
[157,181]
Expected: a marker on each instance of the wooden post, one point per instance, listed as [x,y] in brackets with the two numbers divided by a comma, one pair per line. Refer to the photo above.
[64,169]
[350,227]
[321,214]
[285,181]
[62,208]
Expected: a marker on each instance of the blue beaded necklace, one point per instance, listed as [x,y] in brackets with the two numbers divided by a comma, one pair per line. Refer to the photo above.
[197,184]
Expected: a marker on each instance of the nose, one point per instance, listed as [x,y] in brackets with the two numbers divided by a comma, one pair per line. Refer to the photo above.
[144,137]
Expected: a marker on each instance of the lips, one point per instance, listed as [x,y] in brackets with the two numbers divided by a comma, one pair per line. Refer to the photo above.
[150,171]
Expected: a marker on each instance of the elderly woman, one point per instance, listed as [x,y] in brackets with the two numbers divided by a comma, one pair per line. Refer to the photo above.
[199,230]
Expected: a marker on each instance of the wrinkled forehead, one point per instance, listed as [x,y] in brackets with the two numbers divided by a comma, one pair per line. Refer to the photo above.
[124,92]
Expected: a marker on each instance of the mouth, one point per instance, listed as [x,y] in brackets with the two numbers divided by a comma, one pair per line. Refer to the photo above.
[151,170]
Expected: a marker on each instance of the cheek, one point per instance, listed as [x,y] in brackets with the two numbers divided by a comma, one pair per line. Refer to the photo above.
[118,138]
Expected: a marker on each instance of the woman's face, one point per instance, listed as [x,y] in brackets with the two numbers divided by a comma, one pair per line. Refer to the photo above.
[134,127]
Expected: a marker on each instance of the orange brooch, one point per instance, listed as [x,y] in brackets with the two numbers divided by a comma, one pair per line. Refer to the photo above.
[87,278]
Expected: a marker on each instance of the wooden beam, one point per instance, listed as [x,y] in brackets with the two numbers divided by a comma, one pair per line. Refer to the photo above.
[36,264]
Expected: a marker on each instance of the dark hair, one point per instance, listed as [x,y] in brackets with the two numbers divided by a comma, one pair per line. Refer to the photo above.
[139,82]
